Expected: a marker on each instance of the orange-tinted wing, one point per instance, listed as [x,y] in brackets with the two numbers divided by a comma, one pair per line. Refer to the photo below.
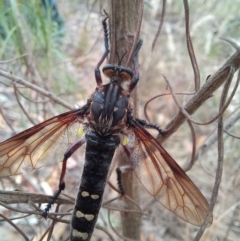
[33,147]
[163,178]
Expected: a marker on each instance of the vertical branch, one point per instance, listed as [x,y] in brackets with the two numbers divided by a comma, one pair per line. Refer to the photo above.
[125,22]
[125,17]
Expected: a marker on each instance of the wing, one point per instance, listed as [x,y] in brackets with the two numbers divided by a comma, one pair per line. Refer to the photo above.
[163,178]
[35,146]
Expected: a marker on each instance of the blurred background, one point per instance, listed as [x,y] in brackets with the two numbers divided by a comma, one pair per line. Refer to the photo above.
[56,45]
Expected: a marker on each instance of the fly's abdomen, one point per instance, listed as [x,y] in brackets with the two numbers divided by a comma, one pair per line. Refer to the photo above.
[98,157]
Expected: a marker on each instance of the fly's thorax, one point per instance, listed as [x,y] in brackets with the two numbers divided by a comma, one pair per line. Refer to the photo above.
[108,109]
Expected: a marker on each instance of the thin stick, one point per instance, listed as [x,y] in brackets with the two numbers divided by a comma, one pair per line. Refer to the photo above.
[23,82]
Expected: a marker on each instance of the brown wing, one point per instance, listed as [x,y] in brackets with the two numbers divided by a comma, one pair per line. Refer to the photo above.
[36,145]
[163,178]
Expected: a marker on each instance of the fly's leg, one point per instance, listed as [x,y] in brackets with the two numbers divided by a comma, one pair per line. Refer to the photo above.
[61,185]
[97,70]
[120,170]
[149,125]
[135,79]
[133,122]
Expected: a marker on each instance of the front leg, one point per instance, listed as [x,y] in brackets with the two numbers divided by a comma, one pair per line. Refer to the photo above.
[97,70]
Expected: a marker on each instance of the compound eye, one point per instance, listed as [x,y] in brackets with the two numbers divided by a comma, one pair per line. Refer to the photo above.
[125,76]
[109,73]
[124,73]
[108,70]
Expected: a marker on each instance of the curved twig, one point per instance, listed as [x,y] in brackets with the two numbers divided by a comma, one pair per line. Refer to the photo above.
[7,121]
[220,163]
[187,115]
[213,137]
[160,24]
[20,104]
[213,83]
[15,227]
[157,96]
[189,164]
[234,136]
[21,81]
[190,48]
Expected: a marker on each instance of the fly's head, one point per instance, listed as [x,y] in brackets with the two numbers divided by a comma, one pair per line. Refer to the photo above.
[118,74]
